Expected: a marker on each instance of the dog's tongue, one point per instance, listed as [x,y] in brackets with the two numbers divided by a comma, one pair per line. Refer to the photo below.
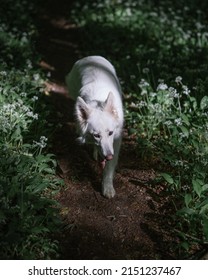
[102,163]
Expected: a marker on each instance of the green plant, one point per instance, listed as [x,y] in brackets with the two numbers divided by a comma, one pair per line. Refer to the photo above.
[27,174]
[29,213]
[169,39]
[174,127]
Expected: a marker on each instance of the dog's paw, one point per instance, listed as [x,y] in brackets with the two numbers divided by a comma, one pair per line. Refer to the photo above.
[108,192]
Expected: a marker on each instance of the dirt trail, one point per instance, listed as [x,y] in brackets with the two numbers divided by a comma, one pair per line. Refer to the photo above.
[129,226]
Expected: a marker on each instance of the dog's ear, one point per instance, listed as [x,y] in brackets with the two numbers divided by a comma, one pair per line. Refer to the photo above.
[82,110]
[109,105]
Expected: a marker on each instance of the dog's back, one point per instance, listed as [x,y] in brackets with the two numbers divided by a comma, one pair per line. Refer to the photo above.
[92,77]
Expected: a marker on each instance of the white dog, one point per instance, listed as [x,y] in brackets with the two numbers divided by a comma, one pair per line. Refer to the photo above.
[93,84]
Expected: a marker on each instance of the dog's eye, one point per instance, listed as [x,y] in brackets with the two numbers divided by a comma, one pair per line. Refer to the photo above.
[110,133]
[96,135]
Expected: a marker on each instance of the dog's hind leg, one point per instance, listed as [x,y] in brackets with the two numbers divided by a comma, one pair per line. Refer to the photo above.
[108,173]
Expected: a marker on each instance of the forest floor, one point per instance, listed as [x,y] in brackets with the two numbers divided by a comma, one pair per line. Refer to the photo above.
[134,224]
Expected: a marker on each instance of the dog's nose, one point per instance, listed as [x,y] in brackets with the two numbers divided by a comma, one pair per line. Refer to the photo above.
[109,157]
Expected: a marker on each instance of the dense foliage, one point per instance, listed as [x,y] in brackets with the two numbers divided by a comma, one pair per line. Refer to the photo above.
[28,212]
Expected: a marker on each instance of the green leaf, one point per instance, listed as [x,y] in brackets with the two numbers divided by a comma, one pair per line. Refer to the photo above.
[204,209]
[188,199]
[203,203]
[194,102]
[205,188]
[185,245]
[187,211]
[132,131]
[197,187]
[205,228]
[185,131]
[185,119]
[2,215]
[204,103]
[167,178]
[40,229]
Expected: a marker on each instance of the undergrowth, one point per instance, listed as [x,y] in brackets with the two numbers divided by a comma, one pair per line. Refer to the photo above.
[172,126]
[28,211]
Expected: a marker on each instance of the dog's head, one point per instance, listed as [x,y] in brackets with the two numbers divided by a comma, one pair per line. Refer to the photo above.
[99,124]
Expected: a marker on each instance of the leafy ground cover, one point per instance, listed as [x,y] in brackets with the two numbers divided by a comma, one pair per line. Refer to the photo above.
[28,212]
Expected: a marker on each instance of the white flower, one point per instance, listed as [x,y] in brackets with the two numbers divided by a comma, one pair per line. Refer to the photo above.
[143,83]
[158,108]
[176,95]
[3,73]
[182,135]
[168,123]
[199,26]
[178,121]
[23,94]
[178,163]
[43,142]
[128,12]
[178,79]
[30,114]
[153,94]
[133,105]
[24,39]
[34,98]
[172,91]
[36,77]
[145,70]
[35,116]
[29,64]
[143,92]
[162,86]
[186,91]
[142,104]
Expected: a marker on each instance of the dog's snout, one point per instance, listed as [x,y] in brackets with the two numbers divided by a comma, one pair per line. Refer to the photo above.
[109,157]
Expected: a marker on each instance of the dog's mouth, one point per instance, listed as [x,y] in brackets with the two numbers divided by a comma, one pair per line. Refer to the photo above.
[103,161]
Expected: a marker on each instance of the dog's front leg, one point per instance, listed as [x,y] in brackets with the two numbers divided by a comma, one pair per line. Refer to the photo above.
[108,173]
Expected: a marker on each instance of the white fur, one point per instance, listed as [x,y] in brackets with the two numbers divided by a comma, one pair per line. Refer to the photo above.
[93,84]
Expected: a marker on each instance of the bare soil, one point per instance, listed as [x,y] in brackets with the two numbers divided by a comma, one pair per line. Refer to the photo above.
[134,224]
